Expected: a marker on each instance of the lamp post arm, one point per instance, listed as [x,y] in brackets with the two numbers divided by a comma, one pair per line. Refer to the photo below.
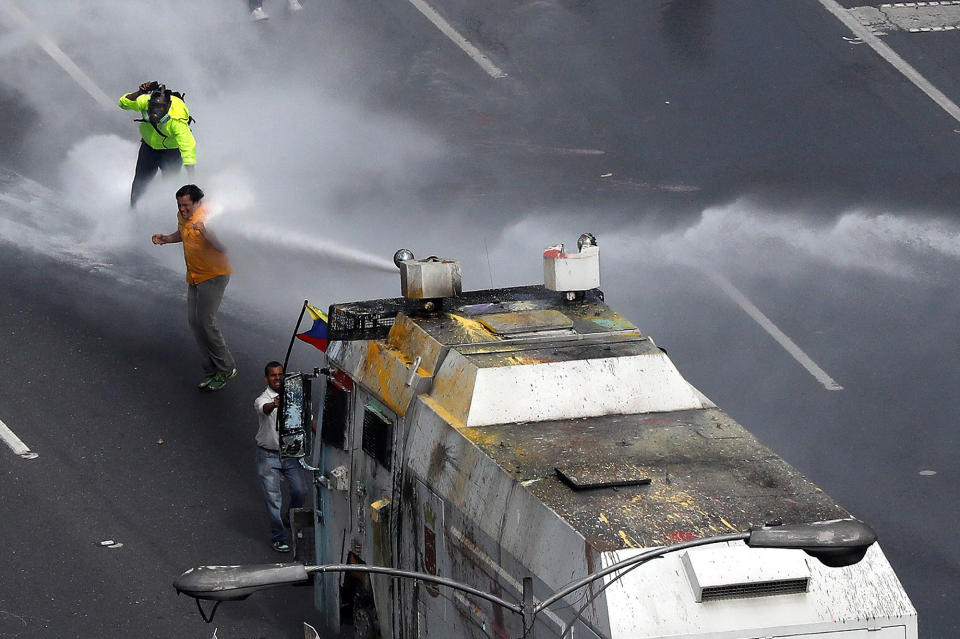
[420,576]
[636,559]
[835,543]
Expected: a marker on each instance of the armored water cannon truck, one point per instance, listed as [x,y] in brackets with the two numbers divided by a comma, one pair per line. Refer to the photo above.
[509,462]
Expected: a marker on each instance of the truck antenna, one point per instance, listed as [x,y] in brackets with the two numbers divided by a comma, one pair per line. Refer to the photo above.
[489,268]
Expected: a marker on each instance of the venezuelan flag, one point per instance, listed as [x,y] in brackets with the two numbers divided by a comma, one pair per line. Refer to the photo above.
[317,335]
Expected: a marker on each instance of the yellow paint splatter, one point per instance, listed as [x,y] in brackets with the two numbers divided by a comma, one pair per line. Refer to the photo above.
[443,413]
[628,540]
[727,524]
[475,331]
[380,369]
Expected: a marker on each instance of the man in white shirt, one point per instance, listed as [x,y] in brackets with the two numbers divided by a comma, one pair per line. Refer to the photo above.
[269,466]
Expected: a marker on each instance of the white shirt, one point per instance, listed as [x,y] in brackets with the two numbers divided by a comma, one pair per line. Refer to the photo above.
[267,433]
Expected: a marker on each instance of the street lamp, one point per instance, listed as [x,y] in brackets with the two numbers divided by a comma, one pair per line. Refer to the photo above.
[836,543]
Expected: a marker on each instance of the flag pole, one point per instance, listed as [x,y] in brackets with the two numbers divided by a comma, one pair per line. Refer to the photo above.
[294,336]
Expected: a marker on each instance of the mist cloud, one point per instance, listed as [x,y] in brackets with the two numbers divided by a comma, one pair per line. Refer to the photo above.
[316,184]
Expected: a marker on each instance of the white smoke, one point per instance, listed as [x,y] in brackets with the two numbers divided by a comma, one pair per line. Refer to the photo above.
[305,176]
[311,178]
[743,238]
[740,237]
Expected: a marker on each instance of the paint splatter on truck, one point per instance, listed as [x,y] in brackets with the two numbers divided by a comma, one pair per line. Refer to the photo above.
[494,436]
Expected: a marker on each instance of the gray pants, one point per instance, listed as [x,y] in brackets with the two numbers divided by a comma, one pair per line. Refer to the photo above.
[203,302]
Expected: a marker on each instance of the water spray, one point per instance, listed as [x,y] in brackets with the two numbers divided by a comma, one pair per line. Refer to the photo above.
[298,241]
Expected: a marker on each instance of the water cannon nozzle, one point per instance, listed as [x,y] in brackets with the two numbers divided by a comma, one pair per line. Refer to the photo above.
[402,256]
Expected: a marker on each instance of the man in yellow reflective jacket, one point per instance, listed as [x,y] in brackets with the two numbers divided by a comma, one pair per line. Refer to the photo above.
[167,141]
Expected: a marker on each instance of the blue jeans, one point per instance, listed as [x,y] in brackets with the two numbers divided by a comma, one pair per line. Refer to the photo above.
[270,469]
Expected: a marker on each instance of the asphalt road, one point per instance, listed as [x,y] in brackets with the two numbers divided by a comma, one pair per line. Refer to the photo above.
[762,141]
[129,451]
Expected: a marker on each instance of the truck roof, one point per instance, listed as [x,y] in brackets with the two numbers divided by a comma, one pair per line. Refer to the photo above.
[575,403]
[707,476]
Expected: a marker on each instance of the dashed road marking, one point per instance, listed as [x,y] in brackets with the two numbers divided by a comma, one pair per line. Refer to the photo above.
[891,56]
[16,445]
[468,47]
[56,53]
[914,17]
[781,338]
[898,5]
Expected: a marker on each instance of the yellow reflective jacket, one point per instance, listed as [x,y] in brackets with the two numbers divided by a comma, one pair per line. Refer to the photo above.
[173,133]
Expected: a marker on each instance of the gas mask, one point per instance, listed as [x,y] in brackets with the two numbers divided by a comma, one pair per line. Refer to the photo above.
[159,106]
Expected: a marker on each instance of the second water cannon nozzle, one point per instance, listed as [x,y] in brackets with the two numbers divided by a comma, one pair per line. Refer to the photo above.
[586,239]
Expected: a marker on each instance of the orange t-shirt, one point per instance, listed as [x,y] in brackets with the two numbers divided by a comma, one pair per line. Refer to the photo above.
[204,262]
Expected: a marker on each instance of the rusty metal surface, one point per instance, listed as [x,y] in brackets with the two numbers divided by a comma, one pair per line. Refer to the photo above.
[708,476]
[558,351]
[586,474]
[525,321]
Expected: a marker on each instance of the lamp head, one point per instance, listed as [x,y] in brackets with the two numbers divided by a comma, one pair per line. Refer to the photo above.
[230,583]
[836,543]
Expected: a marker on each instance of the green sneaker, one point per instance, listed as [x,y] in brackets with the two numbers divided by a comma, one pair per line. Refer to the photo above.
[232,373]
[206,382]
[220,380]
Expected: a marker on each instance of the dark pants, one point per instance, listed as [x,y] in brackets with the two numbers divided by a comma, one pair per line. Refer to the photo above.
[149,160]
[255,4]
[203,302]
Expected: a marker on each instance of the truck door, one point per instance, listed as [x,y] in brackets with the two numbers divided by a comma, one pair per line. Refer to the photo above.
[375,460]
[333,458]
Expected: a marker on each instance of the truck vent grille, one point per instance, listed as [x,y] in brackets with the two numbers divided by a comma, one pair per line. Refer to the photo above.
[363,320]
[742,591]
[377,435]
[736,572]
[336,411]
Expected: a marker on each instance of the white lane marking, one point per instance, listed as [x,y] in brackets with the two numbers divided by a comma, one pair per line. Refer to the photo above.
[788,344]
[483,61]
[891,56]
[56,53]
[16,445]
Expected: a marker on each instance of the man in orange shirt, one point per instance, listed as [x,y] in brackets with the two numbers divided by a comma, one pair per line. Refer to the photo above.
[208,272]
